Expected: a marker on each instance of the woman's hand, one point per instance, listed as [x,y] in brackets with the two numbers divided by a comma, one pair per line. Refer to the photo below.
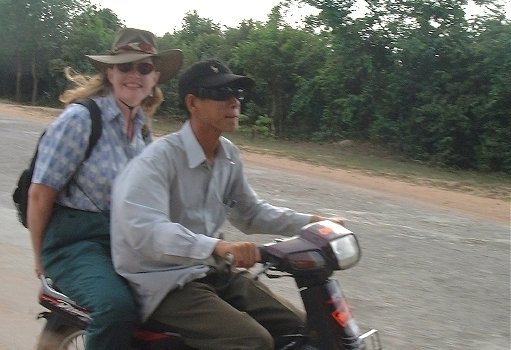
[38,268]
[41,199]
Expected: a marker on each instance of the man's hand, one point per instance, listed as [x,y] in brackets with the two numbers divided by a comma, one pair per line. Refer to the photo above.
[245,254]
[337,220]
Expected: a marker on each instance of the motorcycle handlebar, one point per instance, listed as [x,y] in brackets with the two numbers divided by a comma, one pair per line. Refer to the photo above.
[265,256]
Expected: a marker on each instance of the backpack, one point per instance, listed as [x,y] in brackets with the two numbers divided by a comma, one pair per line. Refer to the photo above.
[20,194]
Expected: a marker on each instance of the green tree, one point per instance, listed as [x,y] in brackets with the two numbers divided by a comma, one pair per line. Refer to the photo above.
[490,106]
[199,38]
[420,77]
[36,30]
[92,32]
[280,58]
[354,79]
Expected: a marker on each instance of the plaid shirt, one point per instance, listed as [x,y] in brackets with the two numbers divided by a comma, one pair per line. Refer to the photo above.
[63,147]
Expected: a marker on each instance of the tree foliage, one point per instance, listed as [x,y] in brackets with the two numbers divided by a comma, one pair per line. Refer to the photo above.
[418,77]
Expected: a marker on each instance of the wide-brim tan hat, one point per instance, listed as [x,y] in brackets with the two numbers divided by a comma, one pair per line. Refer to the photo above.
[132,45]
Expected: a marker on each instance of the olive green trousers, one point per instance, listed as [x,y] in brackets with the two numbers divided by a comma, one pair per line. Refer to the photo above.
[76,256]
[241,314]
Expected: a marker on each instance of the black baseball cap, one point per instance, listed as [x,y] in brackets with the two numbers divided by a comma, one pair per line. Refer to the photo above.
[209,74]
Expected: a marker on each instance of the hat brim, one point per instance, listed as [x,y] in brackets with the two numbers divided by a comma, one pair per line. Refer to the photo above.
[168,62]
[227,79]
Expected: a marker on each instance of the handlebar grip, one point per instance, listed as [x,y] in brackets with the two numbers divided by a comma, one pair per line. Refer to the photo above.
[229,258]
[265,256]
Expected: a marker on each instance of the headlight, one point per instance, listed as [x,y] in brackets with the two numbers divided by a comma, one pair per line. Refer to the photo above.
[346,250]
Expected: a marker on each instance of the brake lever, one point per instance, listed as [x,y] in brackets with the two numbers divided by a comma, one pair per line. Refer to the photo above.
[263,270]
[229,259]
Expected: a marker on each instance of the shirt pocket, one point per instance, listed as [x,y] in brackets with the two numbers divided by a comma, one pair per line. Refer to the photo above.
[228,204]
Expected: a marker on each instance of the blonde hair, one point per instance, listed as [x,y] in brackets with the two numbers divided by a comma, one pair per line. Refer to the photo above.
[98,84]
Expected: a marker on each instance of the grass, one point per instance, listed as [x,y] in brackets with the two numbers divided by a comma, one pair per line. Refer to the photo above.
[369,160]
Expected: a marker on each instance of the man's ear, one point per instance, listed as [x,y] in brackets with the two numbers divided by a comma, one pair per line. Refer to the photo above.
[191,102]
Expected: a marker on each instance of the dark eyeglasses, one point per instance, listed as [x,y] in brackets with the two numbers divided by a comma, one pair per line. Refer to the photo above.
[221,93]
[143,68]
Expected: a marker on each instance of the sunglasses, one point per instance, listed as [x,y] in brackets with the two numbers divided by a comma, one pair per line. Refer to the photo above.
[221,94]
[143,68]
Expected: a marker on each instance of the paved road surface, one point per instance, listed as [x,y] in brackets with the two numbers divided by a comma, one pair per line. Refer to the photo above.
[428,279]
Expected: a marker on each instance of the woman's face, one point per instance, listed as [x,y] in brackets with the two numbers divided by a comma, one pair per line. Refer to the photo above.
[134,81]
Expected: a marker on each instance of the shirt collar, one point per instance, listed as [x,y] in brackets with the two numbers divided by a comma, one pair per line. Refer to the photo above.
[112,110]
[194,151]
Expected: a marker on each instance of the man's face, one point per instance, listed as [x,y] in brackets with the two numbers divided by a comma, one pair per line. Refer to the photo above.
[220,115]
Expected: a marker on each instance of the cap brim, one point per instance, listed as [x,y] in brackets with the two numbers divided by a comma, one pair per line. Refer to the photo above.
[168,62]
[228,79]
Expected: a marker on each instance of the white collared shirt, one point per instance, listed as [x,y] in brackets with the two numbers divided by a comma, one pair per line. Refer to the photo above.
[168,206]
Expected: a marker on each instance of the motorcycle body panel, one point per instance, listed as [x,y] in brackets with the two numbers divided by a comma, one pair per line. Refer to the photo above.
[329,319]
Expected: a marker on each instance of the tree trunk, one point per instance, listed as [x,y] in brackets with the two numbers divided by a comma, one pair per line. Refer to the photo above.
[35,81]
[18,78]
[275,113]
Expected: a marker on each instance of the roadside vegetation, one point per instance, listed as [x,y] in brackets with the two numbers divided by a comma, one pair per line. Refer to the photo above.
[366,158]
[412,89]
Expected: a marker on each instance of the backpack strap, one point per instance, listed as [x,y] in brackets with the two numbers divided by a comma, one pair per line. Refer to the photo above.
[95,134]
[20,194]
[96,129]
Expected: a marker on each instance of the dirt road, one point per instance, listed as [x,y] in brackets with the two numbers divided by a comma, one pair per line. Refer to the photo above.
[470,204]
[435,270]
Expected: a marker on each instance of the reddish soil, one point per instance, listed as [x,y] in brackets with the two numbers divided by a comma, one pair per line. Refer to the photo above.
[492,209]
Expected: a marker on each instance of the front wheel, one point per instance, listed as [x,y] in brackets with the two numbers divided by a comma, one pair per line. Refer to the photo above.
[57,335]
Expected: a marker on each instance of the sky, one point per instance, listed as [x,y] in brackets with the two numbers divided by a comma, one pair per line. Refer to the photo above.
[162,16]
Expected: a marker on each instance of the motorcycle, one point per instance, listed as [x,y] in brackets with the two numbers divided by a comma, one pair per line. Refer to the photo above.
[310,258]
